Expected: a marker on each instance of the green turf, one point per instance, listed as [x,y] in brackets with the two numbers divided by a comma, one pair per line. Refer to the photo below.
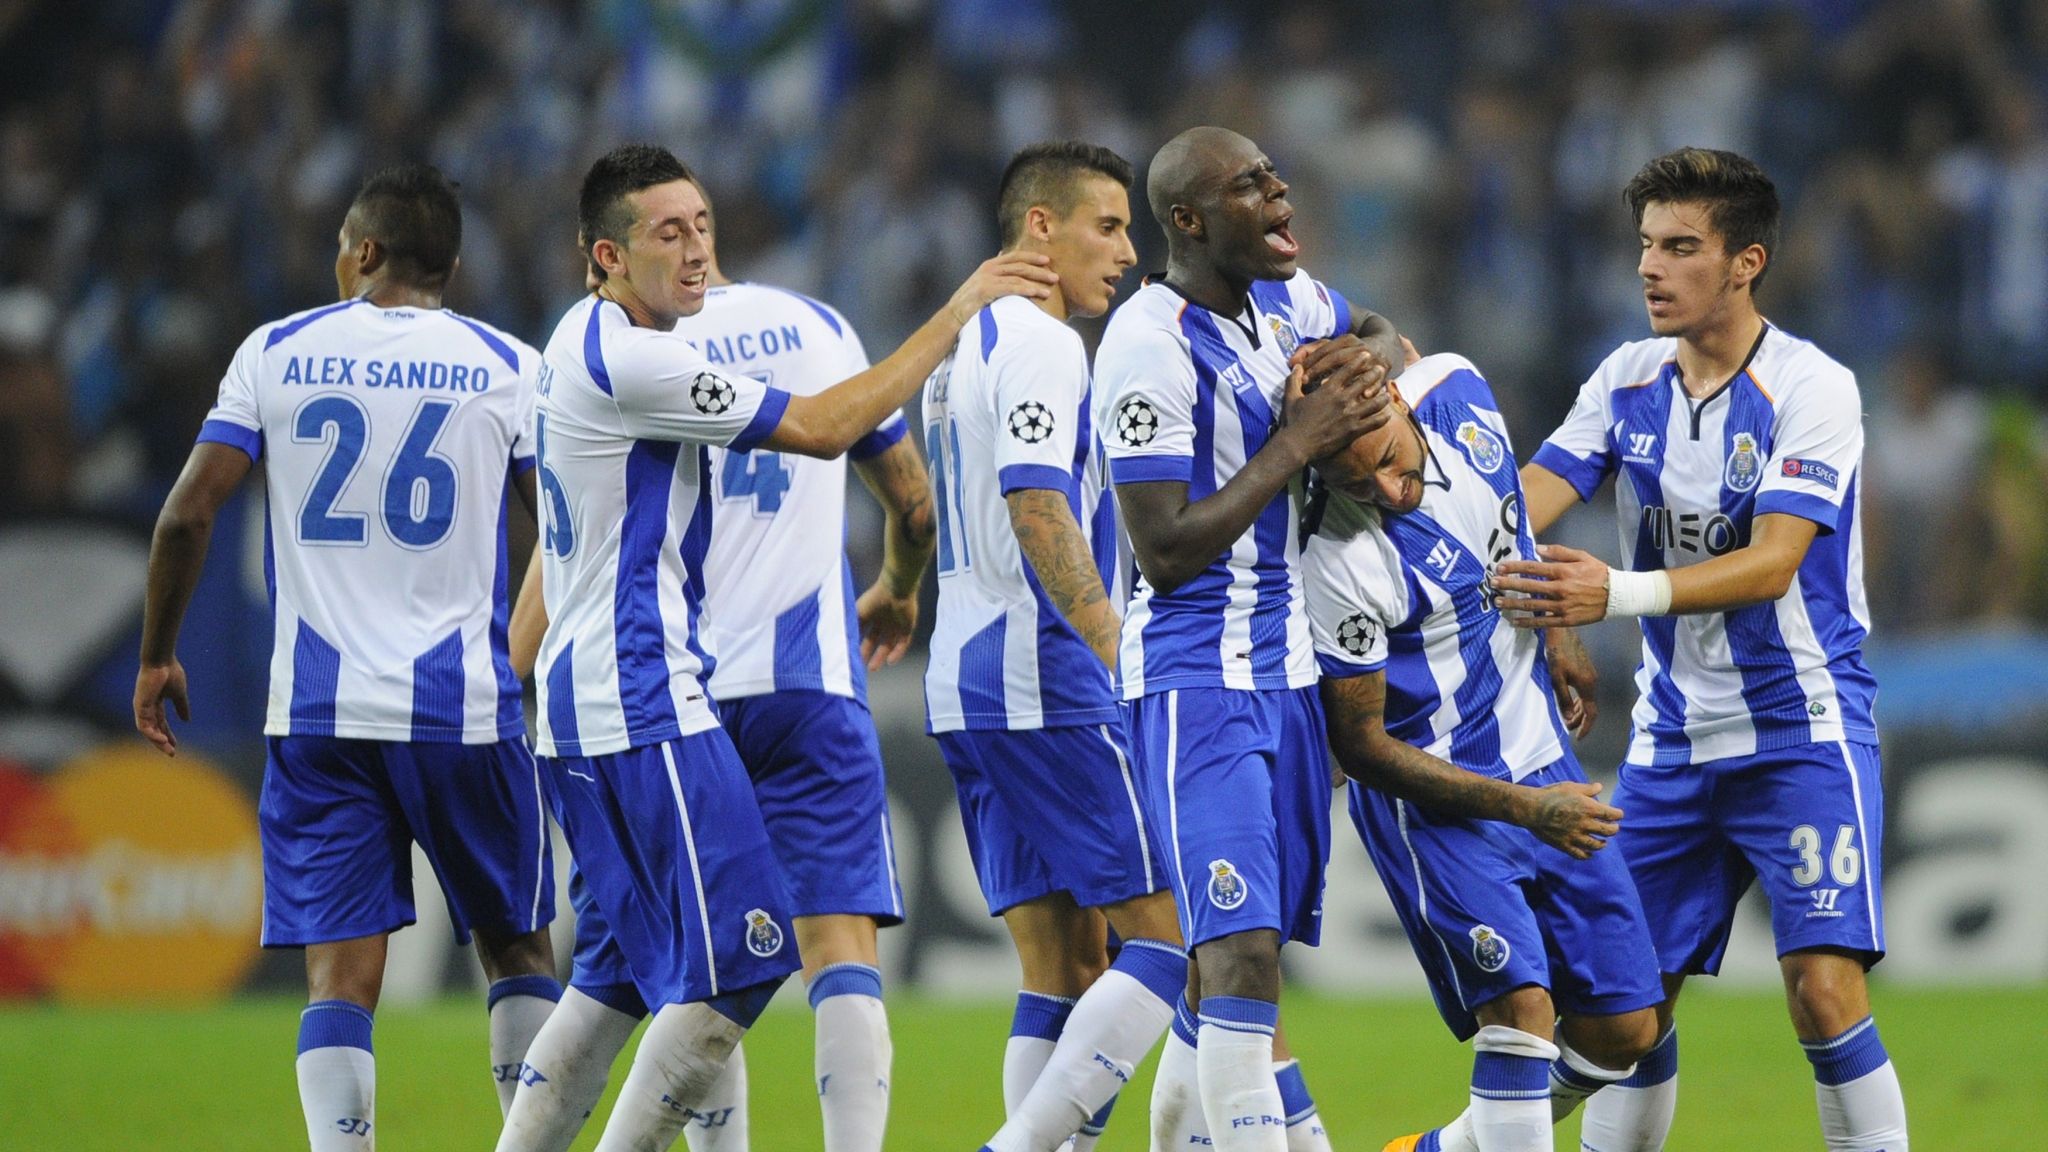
[220,1079]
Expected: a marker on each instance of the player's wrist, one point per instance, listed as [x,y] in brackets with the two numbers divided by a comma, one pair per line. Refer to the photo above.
[1638,593]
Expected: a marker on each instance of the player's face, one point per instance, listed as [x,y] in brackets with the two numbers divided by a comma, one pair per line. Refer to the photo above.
[1091,248]
[666,260]
[1247,216]
[1687,271]
[1382,467]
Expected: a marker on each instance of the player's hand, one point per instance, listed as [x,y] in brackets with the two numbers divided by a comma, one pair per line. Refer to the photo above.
[1571,819]
[1026,274]
[888,623]
[154,684]
[1336,392]
[1566,587]
[1574,679]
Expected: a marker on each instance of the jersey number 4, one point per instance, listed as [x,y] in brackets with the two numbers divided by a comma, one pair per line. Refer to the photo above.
[418,506]
[758,476]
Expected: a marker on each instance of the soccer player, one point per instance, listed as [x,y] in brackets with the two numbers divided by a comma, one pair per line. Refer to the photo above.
[1419,668]
[389,431]
[686,911]
[1021,683]
[1215,657]
[1736,449]
[793,646]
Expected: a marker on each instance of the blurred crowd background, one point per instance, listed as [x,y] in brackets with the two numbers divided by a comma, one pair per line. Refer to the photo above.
[173,172]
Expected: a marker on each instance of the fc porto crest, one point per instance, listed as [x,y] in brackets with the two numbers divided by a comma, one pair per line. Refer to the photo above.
[1489,950]
[1482,446]
[1284,335]
[1226,886]
[764,935]
[1745,464]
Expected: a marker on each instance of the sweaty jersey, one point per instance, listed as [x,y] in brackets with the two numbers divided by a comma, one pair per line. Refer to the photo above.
[389,435]
[1189,395]
[1009,411]
[622,423]
[1784,435]
[778,595]
[1409,593]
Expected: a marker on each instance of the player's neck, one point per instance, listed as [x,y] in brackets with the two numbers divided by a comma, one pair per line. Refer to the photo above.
[1709,356]
[1055,303]
[391,294]
[639,313]
[1207,286]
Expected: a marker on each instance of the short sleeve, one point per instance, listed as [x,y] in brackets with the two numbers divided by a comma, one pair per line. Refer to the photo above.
[1580,451]
[666,390]
[236,419]
[1037,385]
[1816,450]
[1148,427]
[524,448]
[1350,603]
[1320,311]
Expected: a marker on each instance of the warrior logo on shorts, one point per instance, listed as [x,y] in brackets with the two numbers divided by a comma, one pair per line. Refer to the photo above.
[711,393]
[1226,885]
[1482,446]
[1284,335]
[1745,467]
[1355,632]
[1030,422]
[1136,422]
[1489,951]
[764,936]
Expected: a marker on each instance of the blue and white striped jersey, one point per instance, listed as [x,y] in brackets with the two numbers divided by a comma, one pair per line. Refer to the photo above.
[623,421]
[778,595]
[1190,395]
[385,436]
[1007,411]
[1784,435]
[1409,592]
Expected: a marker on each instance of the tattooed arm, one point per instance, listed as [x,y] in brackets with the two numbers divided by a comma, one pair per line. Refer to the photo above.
[888,609]
[1052,543]
[1566,816]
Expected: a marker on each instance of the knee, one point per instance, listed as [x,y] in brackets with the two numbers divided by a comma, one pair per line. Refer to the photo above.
[526,954]
[1614,1041]
[1242,964]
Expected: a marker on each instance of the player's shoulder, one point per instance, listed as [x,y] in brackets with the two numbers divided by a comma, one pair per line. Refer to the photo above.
[1348,550]
[1445,376]
[1785,365]
[517,354]
[1014,325]
[1636,363]
[277,332]
[1145,323]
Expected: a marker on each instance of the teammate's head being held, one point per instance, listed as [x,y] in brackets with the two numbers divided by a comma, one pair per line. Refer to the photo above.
[1708,223]
[402,231]
[1223,206]
[1383,467]
[646,231]
[1071,201]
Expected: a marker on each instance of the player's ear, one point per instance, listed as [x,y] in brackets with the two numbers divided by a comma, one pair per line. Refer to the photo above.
[1188,221]
[370,255]
[1749,264]
[607,256]
[1038,222]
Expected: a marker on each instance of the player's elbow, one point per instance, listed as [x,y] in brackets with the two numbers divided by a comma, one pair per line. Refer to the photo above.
[1164,570]
[183,521]
[808,428]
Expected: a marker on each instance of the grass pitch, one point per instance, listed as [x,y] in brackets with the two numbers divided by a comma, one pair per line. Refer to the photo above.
[220,1079]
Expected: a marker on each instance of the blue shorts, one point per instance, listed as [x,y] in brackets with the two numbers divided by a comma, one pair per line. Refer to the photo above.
[1806,822]
[1053,810]
[1239,782]
[1489,908]
[339,819]
[817,772]
[671,849]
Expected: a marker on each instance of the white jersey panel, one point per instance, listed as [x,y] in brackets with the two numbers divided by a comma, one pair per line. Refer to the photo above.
[385,436]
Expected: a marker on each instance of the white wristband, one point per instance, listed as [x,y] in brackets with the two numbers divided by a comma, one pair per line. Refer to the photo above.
[1638,593]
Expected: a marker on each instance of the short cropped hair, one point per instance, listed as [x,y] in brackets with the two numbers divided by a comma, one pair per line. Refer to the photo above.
[1741,202]
[411,210]
[601,209]
[1049,175]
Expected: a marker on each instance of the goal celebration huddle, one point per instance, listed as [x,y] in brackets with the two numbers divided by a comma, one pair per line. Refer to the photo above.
[1259,558]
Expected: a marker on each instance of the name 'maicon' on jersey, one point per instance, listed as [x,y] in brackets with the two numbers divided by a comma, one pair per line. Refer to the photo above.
[386,436]
[1190,395]
[1784,435]
[778,592]
[1409,592]
[622,424]
[1009,411]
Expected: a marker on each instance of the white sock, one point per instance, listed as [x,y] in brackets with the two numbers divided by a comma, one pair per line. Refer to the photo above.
[519,1005]
[1305,1131]
[1457,1135]
[720,1123]
[1634,1115]
[337,1077]
[853,1056]
[1234,1065]
[1573,1078]
[1177,1120]
[1510,1110]
[680,1057]
[1034,1032]
[1114,1024]
[1857,1089]
[564,1072]
[1091,1132]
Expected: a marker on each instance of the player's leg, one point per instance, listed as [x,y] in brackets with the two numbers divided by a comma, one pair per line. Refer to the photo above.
[1305,1131]
[336,1069]
[523,993]
[854,1054]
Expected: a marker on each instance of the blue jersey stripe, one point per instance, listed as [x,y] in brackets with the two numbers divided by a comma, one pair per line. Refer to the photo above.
[437,689]
[286,330]
[1648,410]
[316,678]
[561,697]
[227,432]
[593,350]
[981,672]
[648,708]
[511,715]
[1824,585]
[857,669]
[799,663]
[1475,743]
[489,338]
[696,543]
[1770,678]
[988,333]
